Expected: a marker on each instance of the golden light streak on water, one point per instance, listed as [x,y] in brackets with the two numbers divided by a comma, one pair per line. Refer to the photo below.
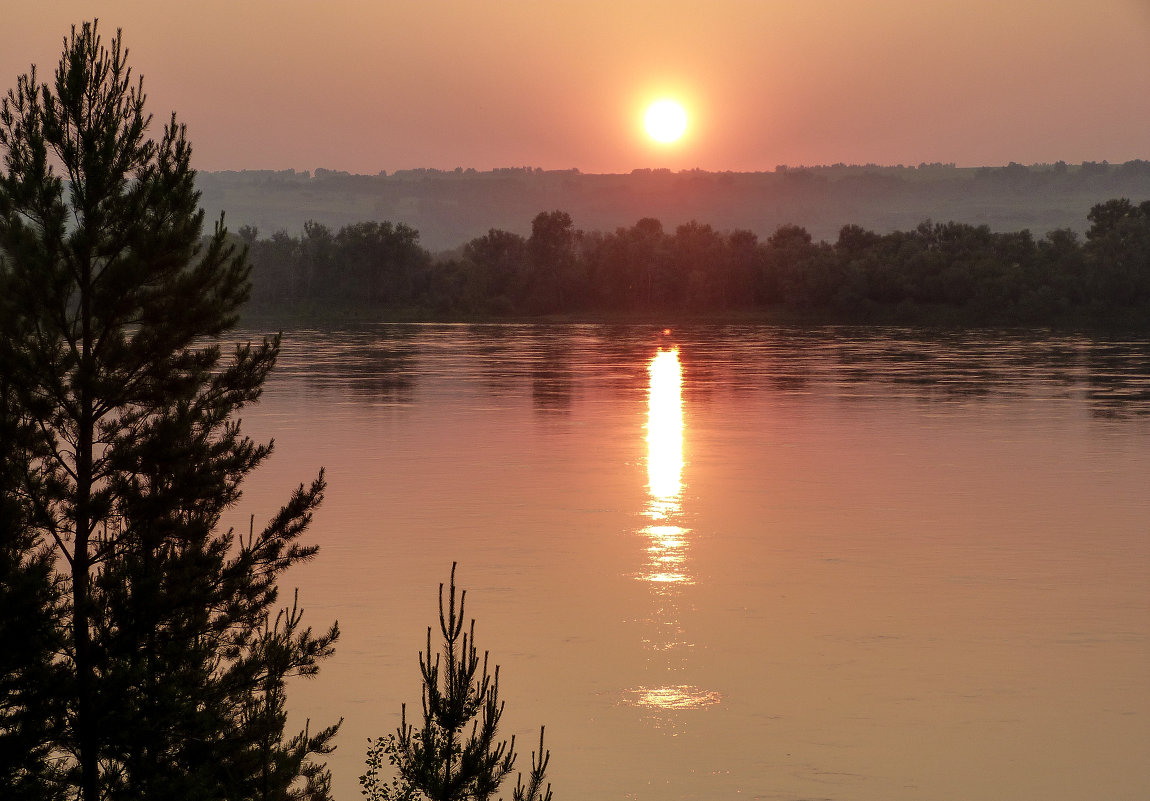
[665,433]
[668,555]
[668,543]
[667,569]
[676,697]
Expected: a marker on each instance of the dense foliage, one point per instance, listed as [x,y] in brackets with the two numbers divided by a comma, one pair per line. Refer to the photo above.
[949,272]
[143,648]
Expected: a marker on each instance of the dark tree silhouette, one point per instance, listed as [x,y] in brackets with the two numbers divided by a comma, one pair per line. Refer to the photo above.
[31,598]
[122,453]
[949,273]
[442,761]
[551,255]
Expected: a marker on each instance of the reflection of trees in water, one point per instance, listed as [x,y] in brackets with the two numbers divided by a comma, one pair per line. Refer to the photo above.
[549,363]
[853,363]
[373,364]
[552,380]
[625,351]
[513,359]
[1119,379]
[860,363]
[1114,377]
[494,348]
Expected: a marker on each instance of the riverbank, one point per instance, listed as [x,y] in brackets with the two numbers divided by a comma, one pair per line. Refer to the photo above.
[1134,322]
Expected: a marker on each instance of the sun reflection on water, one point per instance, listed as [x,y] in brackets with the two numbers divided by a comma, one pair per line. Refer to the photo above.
[679,696]
[668,555]
[667,542]
[665,433]
[667,569]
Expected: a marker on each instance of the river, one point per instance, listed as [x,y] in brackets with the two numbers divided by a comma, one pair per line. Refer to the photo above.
[726,562]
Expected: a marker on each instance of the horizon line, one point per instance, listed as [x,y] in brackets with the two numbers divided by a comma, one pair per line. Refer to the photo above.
[317,172]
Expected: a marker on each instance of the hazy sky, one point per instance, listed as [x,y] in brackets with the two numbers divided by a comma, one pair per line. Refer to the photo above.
[368,85]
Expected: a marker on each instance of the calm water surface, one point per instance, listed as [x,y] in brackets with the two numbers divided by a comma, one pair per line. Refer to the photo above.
[738,561]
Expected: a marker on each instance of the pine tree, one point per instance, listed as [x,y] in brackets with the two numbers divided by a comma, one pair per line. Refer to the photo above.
[112,308]
[30,631]
[442,761]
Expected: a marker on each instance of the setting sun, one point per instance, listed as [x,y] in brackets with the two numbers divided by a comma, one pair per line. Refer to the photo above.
[666,121]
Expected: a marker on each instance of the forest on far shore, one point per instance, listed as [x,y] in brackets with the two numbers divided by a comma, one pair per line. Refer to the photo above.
[952,273]
[450,207]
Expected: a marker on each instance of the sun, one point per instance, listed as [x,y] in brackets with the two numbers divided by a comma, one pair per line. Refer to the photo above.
[666,121]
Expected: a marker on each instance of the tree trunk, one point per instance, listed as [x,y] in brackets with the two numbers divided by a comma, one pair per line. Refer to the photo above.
[81,633]
[86,728]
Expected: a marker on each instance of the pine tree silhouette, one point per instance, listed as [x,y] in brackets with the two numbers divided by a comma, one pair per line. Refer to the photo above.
[442,761]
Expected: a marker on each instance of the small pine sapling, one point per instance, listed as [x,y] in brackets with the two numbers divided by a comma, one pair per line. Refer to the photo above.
[442,761]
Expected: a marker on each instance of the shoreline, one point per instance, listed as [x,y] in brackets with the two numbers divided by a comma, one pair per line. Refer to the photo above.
[928,318]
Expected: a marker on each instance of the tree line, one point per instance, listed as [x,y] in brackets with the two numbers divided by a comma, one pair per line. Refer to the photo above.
[452,207]
[936,272]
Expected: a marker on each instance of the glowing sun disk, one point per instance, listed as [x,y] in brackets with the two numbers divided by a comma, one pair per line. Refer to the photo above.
[665,121]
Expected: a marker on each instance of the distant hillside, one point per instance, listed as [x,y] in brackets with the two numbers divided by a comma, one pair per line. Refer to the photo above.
[449,208]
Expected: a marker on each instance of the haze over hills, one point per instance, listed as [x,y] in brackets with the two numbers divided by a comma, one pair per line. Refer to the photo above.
[451,207]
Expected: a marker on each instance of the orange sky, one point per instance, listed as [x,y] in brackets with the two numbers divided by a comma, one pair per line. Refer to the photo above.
[367,86]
